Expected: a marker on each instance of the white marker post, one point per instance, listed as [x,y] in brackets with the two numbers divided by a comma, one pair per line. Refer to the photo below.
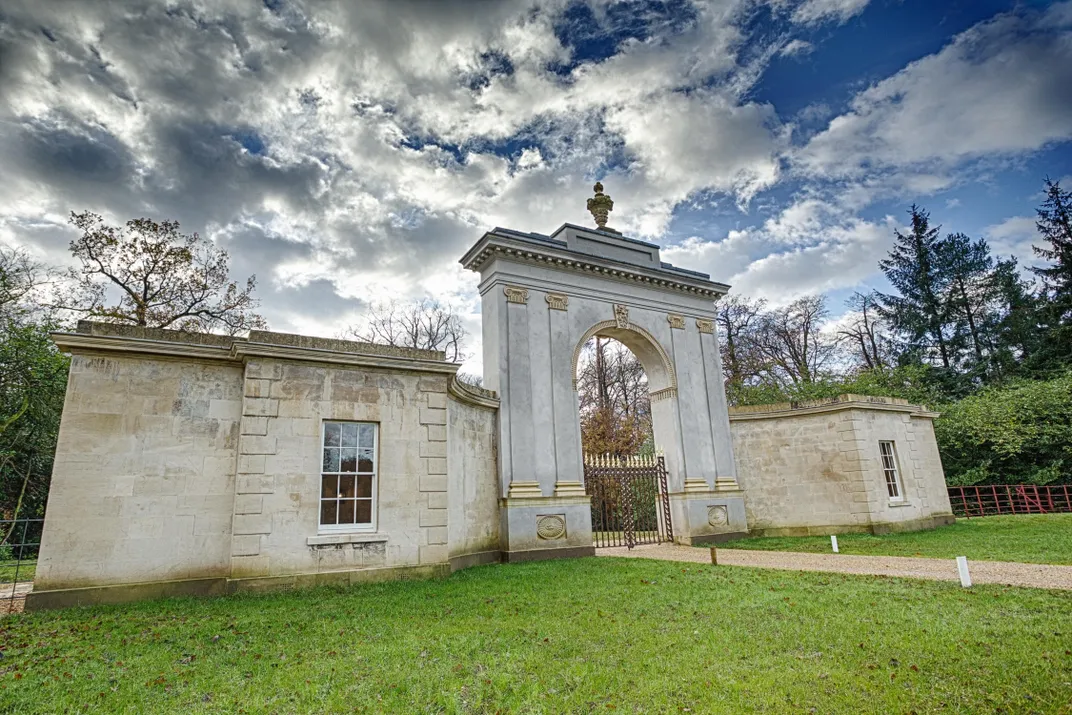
[962,568]
[833,543]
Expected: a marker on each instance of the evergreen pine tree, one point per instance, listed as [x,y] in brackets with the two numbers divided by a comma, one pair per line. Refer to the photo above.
[971,292]
[919,315]
[1055,225]
[1017,329]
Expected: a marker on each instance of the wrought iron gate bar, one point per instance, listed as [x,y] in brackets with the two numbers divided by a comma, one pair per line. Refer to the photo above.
[630,501]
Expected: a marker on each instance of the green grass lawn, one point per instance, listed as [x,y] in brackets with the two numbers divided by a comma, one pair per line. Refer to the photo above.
[579,636]
[14,570]
[1031,538]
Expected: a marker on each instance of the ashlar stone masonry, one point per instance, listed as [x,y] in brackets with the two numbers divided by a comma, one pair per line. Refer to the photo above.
[197,464]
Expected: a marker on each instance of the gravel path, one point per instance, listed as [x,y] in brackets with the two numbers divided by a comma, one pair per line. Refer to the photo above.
[1000,572]
[13,596]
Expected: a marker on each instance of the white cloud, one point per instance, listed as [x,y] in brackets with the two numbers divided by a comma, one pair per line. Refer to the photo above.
[685,143]
[347,152]
[1014,237]
[815,11]
[844,257]
[1000,87]
[796,47]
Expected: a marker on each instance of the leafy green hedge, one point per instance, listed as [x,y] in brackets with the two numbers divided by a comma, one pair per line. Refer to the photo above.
[1018,433]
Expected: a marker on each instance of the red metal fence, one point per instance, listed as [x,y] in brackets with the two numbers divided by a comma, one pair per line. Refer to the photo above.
[1009,499]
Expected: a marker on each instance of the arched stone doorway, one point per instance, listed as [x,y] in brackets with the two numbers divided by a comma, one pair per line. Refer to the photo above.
[658,366]
[616,370]
[542,298]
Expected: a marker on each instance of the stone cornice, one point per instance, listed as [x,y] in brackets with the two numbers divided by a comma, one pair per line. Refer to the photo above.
[555,256]
[241,349]
[77,342]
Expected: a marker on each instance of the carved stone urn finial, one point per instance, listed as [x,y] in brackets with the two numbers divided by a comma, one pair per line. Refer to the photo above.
[600,206]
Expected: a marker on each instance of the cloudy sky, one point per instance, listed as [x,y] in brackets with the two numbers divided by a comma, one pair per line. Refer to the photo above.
[351,151]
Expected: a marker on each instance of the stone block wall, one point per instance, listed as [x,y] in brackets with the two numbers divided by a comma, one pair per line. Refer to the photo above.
[193,465]
[816,467]
[277,494]
[472,469]
[143,484]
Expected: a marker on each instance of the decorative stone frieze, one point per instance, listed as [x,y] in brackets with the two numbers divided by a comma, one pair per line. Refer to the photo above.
[556,301]
[516,295]
[551,526]
[621,316]
[705,326]
[677,322]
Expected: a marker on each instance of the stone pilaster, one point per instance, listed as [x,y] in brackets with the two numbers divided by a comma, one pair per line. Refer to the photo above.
[433,482]
[251,525]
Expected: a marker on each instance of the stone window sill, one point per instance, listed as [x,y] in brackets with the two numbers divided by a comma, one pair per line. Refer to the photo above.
[895,504]
[363,537]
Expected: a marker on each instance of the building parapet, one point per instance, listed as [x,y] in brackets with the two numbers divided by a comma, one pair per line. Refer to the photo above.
[831,404]
[473,394]
[107,337]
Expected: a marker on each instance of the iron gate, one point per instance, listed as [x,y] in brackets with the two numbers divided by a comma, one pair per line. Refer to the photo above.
[630,504]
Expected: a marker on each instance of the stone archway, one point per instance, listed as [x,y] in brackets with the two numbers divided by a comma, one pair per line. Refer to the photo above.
[657,363]
[542,298]
[630,494]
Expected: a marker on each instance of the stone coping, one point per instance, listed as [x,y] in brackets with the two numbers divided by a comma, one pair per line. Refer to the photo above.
[832,404]
[265,337]
[472,394]
[259,343]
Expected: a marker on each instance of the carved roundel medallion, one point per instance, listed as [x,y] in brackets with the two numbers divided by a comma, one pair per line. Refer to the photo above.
[551,526]
[717,515]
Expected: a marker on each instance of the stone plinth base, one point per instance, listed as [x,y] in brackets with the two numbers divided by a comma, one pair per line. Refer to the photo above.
[560,526]
[127,593]
[702,517]
[568,552]
[929,522]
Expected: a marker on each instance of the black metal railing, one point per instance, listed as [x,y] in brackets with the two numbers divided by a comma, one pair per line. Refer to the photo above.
[20,540]
[630,502]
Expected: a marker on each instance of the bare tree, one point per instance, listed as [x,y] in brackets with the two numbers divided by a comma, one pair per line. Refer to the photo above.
[614,403]
[865,332]
[792,339]
[426,324]
[163,278]
[738,320]
[20,277]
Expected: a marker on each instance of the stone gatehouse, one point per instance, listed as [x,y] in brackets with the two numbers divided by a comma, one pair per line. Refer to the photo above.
[202,464]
